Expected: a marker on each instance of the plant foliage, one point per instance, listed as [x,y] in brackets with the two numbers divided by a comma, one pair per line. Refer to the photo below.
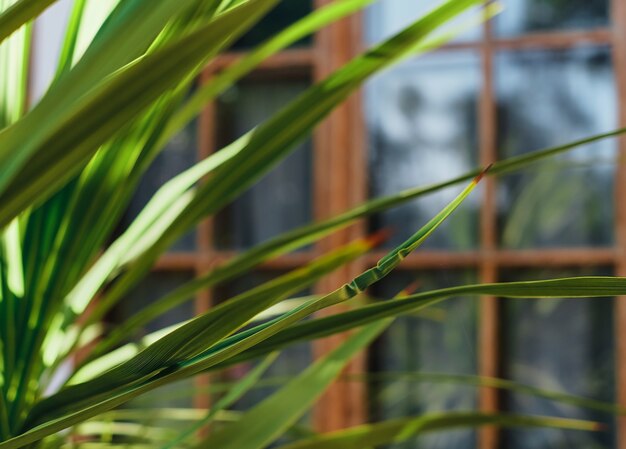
[69,166]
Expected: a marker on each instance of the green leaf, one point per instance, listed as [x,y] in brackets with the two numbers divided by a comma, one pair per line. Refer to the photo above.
[399,430]
[204,331]
[19,14]
[265,146]
[63,143]
[577,287]
[240,388]
[53,417]
[173,197]
[491,382]
[314,21]
[254,430]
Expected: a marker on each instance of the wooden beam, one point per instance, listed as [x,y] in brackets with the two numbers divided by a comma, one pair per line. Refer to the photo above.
[488,335]
[339,185]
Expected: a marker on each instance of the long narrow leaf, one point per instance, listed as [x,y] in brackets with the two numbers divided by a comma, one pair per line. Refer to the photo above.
[240,388]
[225,350]
[578,287]
[64,144]
[19,14]
[270,142]
[202,332]
[399,430]
[254,430]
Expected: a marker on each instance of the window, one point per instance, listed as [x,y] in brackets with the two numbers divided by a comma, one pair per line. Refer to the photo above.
[540,74]
[544,72]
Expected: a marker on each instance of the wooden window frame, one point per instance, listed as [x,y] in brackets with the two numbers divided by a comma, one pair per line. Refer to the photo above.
[340,177]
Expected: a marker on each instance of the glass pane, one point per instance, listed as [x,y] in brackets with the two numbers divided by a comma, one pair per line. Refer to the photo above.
[154,287]
[524,16]
[439,339]
[559,345]
[284,14]
[422,129]
[549,98]
[280,201]
[179,154]
[385,18]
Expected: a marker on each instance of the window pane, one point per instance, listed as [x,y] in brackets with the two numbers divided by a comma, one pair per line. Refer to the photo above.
[524,16]
[154,287]
[548,98]
[422,129]
[439,339]
[559,345]
[282,200]
[385,18]
[180,154]
[283,15]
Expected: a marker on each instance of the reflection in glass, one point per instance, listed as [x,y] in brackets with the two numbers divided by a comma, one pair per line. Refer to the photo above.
[439,339]
[283,15]
[385,18]
[523,16]
[282,199]
[178,155]
[422,122]
[152,288]
[559,345]
[549,98]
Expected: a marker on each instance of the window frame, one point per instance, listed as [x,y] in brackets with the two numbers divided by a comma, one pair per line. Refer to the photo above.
[340,179]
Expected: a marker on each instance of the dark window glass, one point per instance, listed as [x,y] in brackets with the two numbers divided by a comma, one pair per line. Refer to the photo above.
[438,339]
[282,199]
[385,18]
[422,129]
[561,345]
[179,155]
[524,16]
[548,98]
[284,14]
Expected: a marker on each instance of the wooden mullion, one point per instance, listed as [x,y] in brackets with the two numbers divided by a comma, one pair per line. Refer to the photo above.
[303,58]
[528,258]
[357,186]
[284,262]
[488,335]
[336,162]
[619,62]
[562,39]
[176,261]
[204,234]
[555,39]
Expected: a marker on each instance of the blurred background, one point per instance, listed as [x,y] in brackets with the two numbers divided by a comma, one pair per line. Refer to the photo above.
[544,72]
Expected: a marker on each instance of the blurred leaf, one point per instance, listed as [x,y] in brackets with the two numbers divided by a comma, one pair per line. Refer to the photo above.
[240,388]
[254,430]
[19,14]
[399,430]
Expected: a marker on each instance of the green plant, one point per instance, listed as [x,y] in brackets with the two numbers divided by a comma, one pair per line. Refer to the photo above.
[68,168]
